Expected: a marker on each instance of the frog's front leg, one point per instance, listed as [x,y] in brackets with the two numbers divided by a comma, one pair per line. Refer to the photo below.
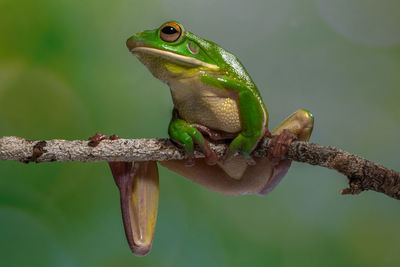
[252,112]
[297,126]
[187,135]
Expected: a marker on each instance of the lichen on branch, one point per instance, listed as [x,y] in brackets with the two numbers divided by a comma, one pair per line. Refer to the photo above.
[362,174]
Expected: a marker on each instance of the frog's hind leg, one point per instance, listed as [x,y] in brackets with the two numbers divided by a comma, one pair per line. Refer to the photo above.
[297,126]
[138,186]
[254,177]
[300,123]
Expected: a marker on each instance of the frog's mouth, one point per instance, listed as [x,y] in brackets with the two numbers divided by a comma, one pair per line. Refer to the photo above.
[172,57]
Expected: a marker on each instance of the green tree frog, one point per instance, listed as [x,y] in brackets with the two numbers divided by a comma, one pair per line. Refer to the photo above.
[214,98]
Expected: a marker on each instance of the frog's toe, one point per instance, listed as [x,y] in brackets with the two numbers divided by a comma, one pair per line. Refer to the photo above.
[280,145]
[190,161]
[211,158]
[244,145]
[186,141]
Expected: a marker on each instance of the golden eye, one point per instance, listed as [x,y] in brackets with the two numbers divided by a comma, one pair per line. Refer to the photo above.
[170,32]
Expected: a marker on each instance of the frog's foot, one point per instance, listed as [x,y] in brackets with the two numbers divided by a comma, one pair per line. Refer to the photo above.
[279,145]
[297,126]
[213,134]
[138,186]
[187,135]
[243,144]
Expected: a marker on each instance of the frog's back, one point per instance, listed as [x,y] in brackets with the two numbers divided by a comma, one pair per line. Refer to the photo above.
[229,64]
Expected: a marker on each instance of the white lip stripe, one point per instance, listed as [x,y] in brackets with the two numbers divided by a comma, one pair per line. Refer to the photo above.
[178,57]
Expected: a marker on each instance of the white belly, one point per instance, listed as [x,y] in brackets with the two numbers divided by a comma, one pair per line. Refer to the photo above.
[204,105]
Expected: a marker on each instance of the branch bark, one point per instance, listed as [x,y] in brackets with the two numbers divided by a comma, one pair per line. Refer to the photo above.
[362,174]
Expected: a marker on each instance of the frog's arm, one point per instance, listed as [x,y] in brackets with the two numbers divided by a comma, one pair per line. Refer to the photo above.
[253,115]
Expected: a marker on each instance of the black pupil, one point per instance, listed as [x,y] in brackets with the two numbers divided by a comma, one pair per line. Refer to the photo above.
[169,30]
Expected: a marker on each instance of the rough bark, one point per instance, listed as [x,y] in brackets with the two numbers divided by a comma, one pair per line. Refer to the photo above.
[362,174]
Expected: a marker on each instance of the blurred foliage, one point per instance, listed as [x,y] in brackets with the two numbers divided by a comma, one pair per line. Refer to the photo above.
[65,73]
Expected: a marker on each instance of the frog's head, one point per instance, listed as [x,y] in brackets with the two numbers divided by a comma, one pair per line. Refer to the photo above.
[170,47]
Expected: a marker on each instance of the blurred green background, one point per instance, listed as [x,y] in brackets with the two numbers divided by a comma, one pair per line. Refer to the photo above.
[65,73]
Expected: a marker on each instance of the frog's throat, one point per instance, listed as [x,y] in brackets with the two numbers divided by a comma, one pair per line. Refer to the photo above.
[174,57]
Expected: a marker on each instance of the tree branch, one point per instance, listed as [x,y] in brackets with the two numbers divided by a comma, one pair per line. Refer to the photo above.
[362,174]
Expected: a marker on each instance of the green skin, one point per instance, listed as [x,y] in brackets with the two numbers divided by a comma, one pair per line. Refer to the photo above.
[214,69]
[230,76]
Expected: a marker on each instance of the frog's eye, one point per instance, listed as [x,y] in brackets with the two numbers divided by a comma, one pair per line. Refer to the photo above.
[170,32]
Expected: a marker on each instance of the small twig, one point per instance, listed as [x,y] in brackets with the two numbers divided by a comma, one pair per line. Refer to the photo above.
[363,174]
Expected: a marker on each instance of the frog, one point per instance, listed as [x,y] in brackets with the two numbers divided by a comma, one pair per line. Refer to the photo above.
[214,99]
[214,96]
